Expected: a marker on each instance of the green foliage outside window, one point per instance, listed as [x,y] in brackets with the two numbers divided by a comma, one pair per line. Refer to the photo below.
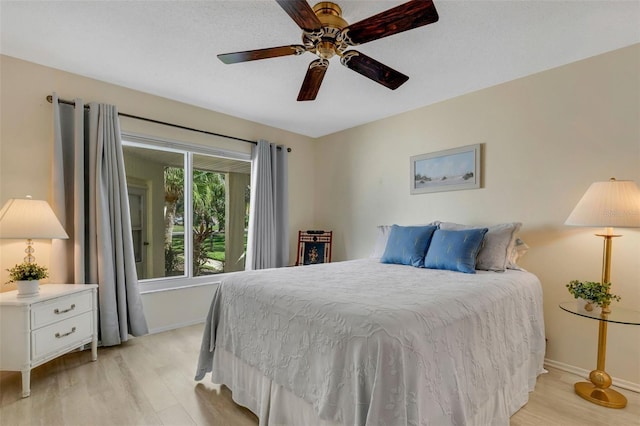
[209,221]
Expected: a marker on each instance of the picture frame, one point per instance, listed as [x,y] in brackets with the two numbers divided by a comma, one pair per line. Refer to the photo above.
[314,246]
[447,170]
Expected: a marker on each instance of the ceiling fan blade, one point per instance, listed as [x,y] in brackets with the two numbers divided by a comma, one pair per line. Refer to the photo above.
[313,80]
[301,13]
[370,68]
[406,16]
[252,55]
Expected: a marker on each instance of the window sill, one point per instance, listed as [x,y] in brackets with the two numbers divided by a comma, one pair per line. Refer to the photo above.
[171,284]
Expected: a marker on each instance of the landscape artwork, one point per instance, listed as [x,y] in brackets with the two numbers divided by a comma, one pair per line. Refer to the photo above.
[448,170]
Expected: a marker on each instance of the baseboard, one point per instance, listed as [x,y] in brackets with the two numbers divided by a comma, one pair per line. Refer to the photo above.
[177,325]
[620,383]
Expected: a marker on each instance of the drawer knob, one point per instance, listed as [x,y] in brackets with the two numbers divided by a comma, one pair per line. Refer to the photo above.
[58,311]
[59,336]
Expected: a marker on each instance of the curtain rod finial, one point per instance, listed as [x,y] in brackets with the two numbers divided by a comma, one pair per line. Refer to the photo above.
[50,99]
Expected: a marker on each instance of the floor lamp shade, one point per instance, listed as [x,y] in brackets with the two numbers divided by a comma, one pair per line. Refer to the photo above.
[614,203]
[24,218]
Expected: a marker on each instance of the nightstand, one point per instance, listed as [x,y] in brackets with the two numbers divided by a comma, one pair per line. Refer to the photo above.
[37,329]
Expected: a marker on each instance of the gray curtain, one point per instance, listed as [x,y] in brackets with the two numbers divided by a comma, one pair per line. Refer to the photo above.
[268,239]
[90,199]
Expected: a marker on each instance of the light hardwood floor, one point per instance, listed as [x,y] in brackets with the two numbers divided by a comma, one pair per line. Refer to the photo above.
[149,381]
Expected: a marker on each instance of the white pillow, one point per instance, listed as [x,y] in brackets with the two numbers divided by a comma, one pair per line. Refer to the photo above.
[519,249]
[497,247]
[382,236]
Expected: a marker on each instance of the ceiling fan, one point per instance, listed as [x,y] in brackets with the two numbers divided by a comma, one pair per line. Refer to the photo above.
[325,33]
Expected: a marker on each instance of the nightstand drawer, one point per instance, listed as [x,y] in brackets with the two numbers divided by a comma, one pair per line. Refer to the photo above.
[60,308]
[65,333]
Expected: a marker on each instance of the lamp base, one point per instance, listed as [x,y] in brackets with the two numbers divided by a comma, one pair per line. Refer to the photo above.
[606,397]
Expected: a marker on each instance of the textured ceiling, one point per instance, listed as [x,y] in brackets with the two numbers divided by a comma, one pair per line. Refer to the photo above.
[169,49]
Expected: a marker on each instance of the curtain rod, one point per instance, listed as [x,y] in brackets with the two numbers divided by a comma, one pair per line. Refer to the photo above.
[150,120]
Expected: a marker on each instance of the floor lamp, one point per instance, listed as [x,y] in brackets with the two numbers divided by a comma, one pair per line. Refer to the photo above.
[614,203]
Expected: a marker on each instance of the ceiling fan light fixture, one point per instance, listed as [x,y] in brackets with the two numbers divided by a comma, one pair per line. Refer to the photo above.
[326,49]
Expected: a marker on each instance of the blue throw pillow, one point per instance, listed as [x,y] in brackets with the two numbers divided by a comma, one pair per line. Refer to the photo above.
[407,245]
[455,250]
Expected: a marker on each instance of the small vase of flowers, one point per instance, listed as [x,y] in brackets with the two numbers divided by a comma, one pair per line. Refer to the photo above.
[27,277]
[593,293]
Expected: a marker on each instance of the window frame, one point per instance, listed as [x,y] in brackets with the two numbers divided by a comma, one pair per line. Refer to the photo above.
[152,285]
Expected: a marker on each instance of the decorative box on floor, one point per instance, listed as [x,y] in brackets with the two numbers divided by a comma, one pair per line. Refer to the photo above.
[314,247]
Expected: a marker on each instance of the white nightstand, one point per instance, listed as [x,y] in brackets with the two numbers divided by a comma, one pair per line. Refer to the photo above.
[34,330]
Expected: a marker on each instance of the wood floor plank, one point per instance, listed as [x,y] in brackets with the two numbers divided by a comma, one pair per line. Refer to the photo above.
[175,416]
[149,381]
[554,402]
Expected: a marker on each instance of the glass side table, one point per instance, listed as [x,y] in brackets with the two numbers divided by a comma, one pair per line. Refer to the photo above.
[598,389]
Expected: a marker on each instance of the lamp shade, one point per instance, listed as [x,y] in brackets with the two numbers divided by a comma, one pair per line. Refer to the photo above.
[614,203]
[22,218]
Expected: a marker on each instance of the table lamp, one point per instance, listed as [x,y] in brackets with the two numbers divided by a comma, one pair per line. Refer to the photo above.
[614,203]
[25,218]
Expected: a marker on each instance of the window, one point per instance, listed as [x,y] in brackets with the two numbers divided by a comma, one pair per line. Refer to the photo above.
[189,209]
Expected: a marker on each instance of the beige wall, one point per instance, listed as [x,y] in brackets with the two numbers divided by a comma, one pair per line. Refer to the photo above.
[546,138]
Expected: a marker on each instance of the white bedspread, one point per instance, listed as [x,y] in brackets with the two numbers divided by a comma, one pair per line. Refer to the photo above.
[377,344]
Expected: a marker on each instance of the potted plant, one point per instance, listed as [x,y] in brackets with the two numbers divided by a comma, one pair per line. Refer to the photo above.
[593,293]
[27,276]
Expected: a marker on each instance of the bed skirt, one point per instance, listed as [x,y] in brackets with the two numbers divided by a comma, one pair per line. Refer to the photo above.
[276,406]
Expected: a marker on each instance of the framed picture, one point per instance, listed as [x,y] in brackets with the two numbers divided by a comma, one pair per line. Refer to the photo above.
[314,247]
[449,170]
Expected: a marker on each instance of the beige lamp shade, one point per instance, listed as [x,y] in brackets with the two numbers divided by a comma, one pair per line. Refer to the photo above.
[24,218]
[614,203]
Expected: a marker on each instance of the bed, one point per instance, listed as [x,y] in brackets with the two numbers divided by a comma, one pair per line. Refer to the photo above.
[366,343]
